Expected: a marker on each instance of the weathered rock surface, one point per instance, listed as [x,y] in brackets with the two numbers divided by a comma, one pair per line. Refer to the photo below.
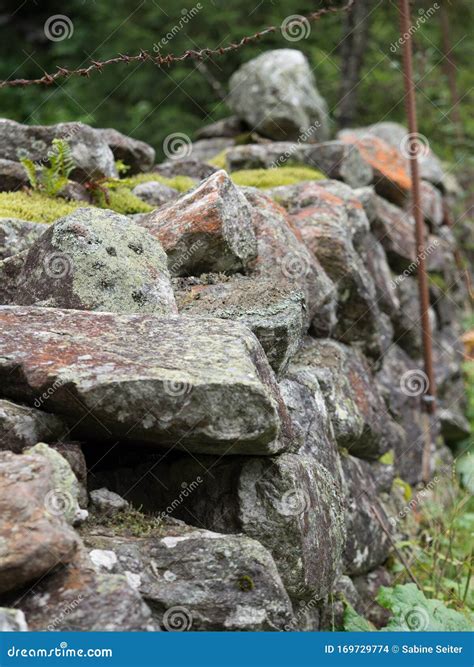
[199,580]
[275,314]
[332,612]
[137,155]
[265,156]
[431,201]
[206,149]
[190,167]
[226,127]
[205,386]
[72,452]
[391,177]
[323,221]
[360,420]
[18,235]
[154,193]
[76,598]
[367,544]
[341,161]
[12,175]
[284,258]
[107,502]
[22,427]
[91,154]
[395,229]
[368,586]
[407,319]
[34,536]
[289,503]
[93,259]
[207,229]
[276,95]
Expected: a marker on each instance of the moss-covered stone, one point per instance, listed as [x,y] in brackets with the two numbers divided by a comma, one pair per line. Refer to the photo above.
[272,178]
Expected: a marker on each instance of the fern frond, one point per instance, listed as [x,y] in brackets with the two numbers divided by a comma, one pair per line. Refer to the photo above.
[30,168]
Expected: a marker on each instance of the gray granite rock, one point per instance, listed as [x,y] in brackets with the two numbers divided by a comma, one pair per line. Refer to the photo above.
[12,175]
[22,426]
[155,193]
[137,155]
[18,235]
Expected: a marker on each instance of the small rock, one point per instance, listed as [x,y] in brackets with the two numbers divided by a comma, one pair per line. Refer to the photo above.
[137,155]
[207,229]
[226,127]
[22,427]
[18,235]
[154,193]
[12,620]
[12,176]
[206,149]
[190,167]
[107,502]
[275,93]
[341,161]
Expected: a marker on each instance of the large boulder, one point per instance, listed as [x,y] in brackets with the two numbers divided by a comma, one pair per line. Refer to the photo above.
[202,385]
[22,427]
[194,579]
[207,229]
[34,535]
[359,417]
[137,155]
[93,259]
[18,235]
[275,313]
[276,95]
[91,154]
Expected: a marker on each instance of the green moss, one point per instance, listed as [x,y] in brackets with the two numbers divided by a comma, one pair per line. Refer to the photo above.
[438,280]
[246,583]
[219,161]
[180,183]
[272,178]
[121,200]
[35,207]
[387,458]
[129,523]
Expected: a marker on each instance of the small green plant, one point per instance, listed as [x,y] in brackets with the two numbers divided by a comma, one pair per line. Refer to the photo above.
[50,179]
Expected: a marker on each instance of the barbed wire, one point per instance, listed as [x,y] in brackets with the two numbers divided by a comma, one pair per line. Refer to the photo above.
[159,60]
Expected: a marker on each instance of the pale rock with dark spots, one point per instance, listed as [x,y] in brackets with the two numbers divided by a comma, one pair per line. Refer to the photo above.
[93,259]
[275,94]
[208,229]
[204,385]
[218,582]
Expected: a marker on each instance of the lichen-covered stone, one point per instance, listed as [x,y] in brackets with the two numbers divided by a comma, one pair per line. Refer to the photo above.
[154,193]
[219,582]
[376,263]
[34,537]
[91,154]
[207,229]
[18,235]
[78,599]
[367,544]
[284,258]
[391,177]
[22,427]
[72,452]
[275,93]
[12,175]
[359,417]
[407,323]
[341,161]
[94,259]
[275,313]
[328,228]
[395,229]
[137,155]
[289,503]
[204,385]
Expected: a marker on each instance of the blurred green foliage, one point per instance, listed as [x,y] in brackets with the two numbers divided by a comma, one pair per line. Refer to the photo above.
[149,103]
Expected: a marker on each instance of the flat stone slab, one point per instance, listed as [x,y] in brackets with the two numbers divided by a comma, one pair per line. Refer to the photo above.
[201,385]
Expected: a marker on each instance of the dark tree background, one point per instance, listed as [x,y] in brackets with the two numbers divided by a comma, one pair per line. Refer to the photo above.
[356,69]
